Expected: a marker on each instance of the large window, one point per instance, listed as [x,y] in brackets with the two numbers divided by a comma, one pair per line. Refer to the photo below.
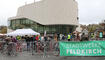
[51,29]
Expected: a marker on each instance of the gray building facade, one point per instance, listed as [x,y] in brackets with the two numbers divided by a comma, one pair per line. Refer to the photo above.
[53,16]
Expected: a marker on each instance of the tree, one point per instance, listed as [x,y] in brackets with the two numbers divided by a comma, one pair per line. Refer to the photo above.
[3,30]
[93,27]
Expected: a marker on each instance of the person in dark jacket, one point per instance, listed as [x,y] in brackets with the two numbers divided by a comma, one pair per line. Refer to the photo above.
[28,42]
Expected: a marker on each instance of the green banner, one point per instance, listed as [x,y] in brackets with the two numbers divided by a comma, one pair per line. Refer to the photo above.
[86,48]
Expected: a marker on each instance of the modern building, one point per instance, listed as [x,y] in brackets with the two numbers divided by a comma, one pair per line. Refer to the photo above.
[52,16]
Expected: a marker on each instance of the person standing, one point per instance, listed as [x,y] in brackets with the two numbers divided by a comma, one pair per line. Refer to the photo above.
[55,38]
[27,41]
[56,44]
[37,38]
[82,37]
[42,39]
[68,37]
[78,37]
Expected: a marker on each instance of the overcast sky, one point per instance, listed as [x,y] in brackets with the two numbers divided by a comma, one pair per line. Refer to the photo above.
[90,11]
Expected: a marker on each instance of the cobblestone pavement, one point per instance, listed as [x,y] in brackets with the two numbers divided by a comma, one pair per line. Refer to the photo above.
[29,56]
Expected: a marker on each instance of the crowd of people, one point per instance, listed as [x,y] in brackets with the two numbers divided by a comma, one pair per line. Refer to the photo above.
[34,43]
[37,43]
[84,37]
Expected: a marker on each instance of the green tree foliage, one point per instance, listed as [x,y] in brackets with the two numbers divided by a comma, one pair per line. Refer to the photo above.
[93,27]
[3,29]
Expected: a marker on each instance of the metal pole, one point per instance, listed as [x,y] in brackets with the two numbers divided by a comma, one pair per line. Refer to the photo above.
[32,47]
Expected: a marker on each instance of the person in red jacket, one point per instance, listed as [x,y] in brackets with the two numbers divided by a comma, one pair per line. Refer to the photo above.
[37,38]
[37,46]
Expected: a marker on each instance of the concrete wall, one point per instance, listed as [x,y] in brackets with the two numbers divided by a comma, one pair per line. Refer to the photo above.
[50,12]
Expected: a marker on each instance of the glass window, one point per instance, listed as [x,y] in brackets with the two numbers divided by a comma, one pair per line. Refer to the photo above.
[27,23]
[24,21]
